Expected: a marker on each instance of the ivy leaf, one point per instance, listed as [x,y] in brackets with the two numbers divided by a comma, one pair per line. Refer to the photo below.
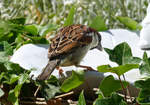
[31,29]
[81,100]
[12,98]
[14,93]
[98,24]
[50,87]
[46,29]
[20,21]
[144,94]
[6,47]
[128,22]
[145,65]
[74,81]
[122,54]
[5,51]
[12,79]
[120,70]
[48,91]
[1,92]
[115,99]
[70,17]
[38,40]
[110,85]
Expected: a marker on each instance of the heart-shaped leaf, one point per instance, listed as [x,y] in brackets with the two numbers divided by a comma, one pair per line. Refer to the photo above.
[115,99]
[120,70]
[145,65]
[122,54]
[110,85]
[144,94]
[74,81]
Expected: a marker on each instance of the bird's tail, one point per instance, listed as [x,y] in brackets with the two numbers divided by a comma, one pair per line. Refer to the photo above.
[47,71]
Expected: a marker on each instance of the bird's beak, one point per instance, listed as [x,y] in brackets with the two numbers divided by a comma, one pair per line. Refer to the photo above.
[99,47]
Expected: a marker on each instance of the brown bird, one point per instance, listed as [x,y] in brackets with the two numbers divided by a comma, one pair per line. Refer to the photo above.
[69,46]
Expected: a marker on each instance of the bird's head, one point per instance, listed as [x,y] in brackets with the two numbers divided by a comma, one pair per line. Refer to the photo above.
[96,42]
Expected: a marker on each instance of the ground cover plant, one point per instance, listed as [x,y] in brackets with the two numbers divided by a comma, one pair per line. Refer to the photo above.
[15,81]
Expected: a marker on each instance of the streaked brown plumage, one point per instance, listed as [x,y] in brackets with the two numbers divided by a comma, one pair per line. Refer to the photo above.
[69,46]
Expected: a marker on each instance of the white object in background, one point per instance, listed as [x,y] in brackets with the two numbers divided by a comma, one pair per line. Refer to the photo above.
[31,56]
[145,32]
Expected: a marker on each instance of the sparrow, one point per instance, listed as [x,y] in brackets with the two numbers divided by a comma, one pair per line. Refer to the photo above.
[69,46]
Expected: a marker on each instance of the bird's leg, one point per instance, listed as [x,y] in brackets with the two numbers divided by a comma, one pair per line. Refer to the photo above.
[60,70]
[86,67]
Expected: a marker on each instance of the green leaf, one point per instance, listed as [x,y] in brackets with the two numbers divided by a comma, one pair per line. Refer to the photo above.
[103,67]
[70,17]
[14,93]
[48,91]
[145,65]
[32,29]
[110,85]
[53,80]
[49,87]
[2,75]
[1,92]
[81,100]
[12,79]
[122,54]
[144,94]
[13,98]
[23,78]
[74,81]
[98,24]
[120,70]
[128,22]
[3,57]
[37,40]
[6,47]
[5,51]
[115,99]
[18,21]
[46,29]
[9,30]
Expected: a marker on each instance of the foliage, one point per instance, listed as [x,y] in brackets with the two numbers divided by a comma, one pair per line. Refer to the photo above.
[144,95]
[55,11]
[115,99]
[81,100]
[99,24]
[15,32]
[120,70]
[122,54]
[70,17]
[110,85]
[145,66]
[128,22]
[50,87]
[74,81]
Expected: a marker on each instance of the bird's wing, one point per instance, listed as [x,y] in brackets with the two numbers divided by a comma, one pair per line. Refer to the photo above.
[68,39]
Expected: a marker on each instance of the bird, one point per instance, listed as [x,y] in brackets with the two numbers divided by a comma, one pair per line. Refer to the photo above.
[69,46]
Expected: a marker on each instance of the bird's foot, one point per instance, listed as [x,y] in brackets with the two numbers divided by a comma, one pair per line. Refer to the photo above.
[60,70]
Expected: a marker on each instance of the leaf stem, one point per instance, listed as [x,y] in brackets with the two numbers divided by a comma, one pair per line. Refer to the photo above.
[128,92]
[123,88]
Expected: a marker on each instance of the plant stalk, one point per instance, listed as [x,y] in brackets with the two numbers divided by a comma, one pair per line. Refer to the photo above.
[123,88]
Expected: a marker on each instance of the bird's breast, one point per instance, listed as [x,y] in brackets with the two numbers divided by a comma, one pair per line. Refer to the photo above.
[76,57]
